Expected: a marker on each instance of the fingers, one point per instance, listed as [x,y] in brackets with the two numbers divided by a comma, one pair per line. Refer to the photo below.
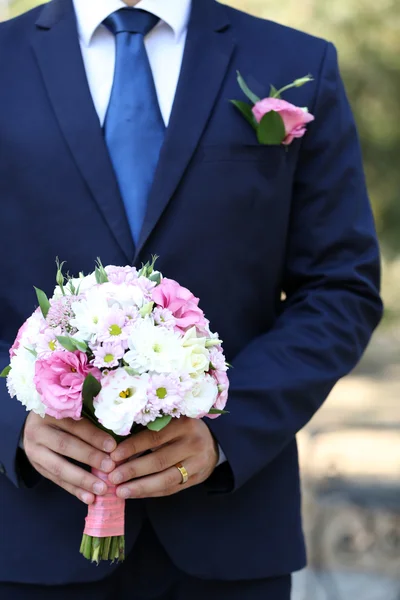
[188,441]
[86,431]
[70,477]
[156,462]
[162,484]
[67,445]
[149,440]
[47,441]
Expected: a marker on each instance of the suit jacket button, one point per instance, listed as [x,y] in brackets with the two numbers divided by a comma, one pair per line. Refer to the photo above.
[2,469]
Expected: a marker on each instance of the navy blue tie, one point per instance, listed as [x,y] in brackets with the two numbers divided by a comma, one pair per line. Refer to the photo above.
[134,128]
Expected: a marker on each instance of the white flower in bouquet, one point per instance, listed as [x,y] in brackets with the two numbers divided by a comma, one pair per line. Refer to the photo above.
[20,381]
[200,398]
[154,348]
[197,355]
[89,313]
[120,400]
[125,295]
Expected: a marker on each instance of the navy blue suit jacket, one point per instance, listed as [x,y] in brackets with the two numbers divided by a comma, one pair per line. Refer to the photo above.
[237,223]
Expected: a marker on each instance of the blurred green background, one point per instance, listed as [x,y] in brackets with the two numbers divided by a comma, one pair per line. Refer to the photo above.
[350,452]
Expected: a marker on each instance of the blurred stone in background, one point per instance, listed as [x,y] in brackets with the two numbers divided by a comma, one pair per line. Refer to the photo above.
[350,452]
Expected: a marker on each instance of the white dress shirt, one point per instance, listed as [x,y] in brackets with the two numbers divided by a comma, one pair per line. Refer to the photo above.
[164,44]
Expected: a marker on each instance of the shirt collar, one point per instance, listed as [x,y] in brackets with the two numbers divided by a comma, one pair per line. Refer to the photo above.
[91,13]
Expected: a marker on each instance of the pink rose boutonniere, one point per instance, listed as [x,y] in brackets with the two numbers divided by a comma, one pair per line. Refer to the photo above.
[274,120]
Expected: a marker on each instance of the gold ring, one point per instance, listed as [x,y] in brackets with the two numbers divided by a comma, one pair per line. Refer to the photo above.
[183,472]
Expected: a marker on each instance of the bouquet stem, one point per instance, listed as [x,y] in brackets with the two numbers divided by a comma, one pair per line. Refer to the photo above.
[103,537]
[97,549]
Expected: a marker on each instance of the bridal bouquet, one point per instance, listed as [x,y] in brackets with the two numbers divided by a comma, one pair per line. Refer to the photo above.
[126,349]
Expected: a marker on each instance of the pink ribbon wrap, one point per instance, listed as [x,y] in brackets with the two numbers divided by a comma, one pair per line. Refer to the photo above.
[106,517]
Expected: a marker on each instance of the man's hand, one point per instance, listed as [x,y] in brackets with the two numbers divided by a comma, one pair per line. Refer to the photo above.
[47,442]
[186,441]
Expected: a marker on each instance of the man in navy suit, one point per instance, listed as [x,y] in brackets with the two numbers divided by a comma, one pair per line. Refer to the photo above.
[118,140]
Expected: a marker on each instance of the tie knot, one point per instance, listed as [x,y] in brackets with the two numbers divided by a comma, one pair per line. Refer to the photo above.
[132,20]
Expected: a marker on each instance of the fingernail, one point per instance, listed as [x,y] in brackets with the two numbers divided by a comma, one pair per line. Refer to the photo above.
[107,465]
[109,445]
[99,488]
[118,455]
[116,478]
[86,498]
[123,493]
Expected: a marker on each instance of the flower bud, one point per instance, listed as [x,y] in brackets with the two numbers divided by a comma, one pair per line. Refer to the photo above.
[213,342]
[146,309]
[60,278]
[302,81]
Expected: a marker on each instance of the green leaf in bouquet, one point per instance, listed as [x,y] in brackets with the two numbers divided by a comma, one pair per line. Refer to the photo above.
[32,351]
[143,271]
[159,423]
[72,288]
[131,372]
[100,272]
[246,90]
[271,129]
[79,345]
[91,388]
[156,276]
[71,344]
[246,111]
[66,342]
[148,268]
[5,371]
[216,411]
[43,302]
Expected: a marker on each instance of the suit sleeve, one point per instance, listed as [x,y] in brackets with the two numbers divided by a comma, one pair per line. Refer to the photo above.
[331,281]
[13,462]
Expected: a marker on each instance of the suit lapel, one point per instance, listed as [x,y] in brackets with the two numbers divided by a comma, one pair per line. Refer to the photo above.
[207,55]
[56,45]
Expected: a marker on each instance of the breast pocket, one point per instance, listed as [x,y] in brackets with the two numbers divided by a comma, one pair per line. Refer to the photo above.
[270,160]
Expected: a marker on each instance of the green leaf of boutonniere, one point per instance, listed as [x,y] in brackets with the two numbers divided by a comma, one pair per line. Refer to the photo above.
[274,92]
[271,130]
[246,90]
[246,111]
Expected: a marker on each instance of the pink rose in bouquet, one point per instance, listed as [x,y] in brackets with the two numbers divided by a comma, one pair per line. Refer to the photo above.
[59,380]
[17,341]
[28,331]
[181,303]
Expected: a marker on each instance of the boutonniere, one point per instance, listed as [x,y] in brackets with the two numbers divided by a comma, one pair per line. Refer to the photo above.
[274,120]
